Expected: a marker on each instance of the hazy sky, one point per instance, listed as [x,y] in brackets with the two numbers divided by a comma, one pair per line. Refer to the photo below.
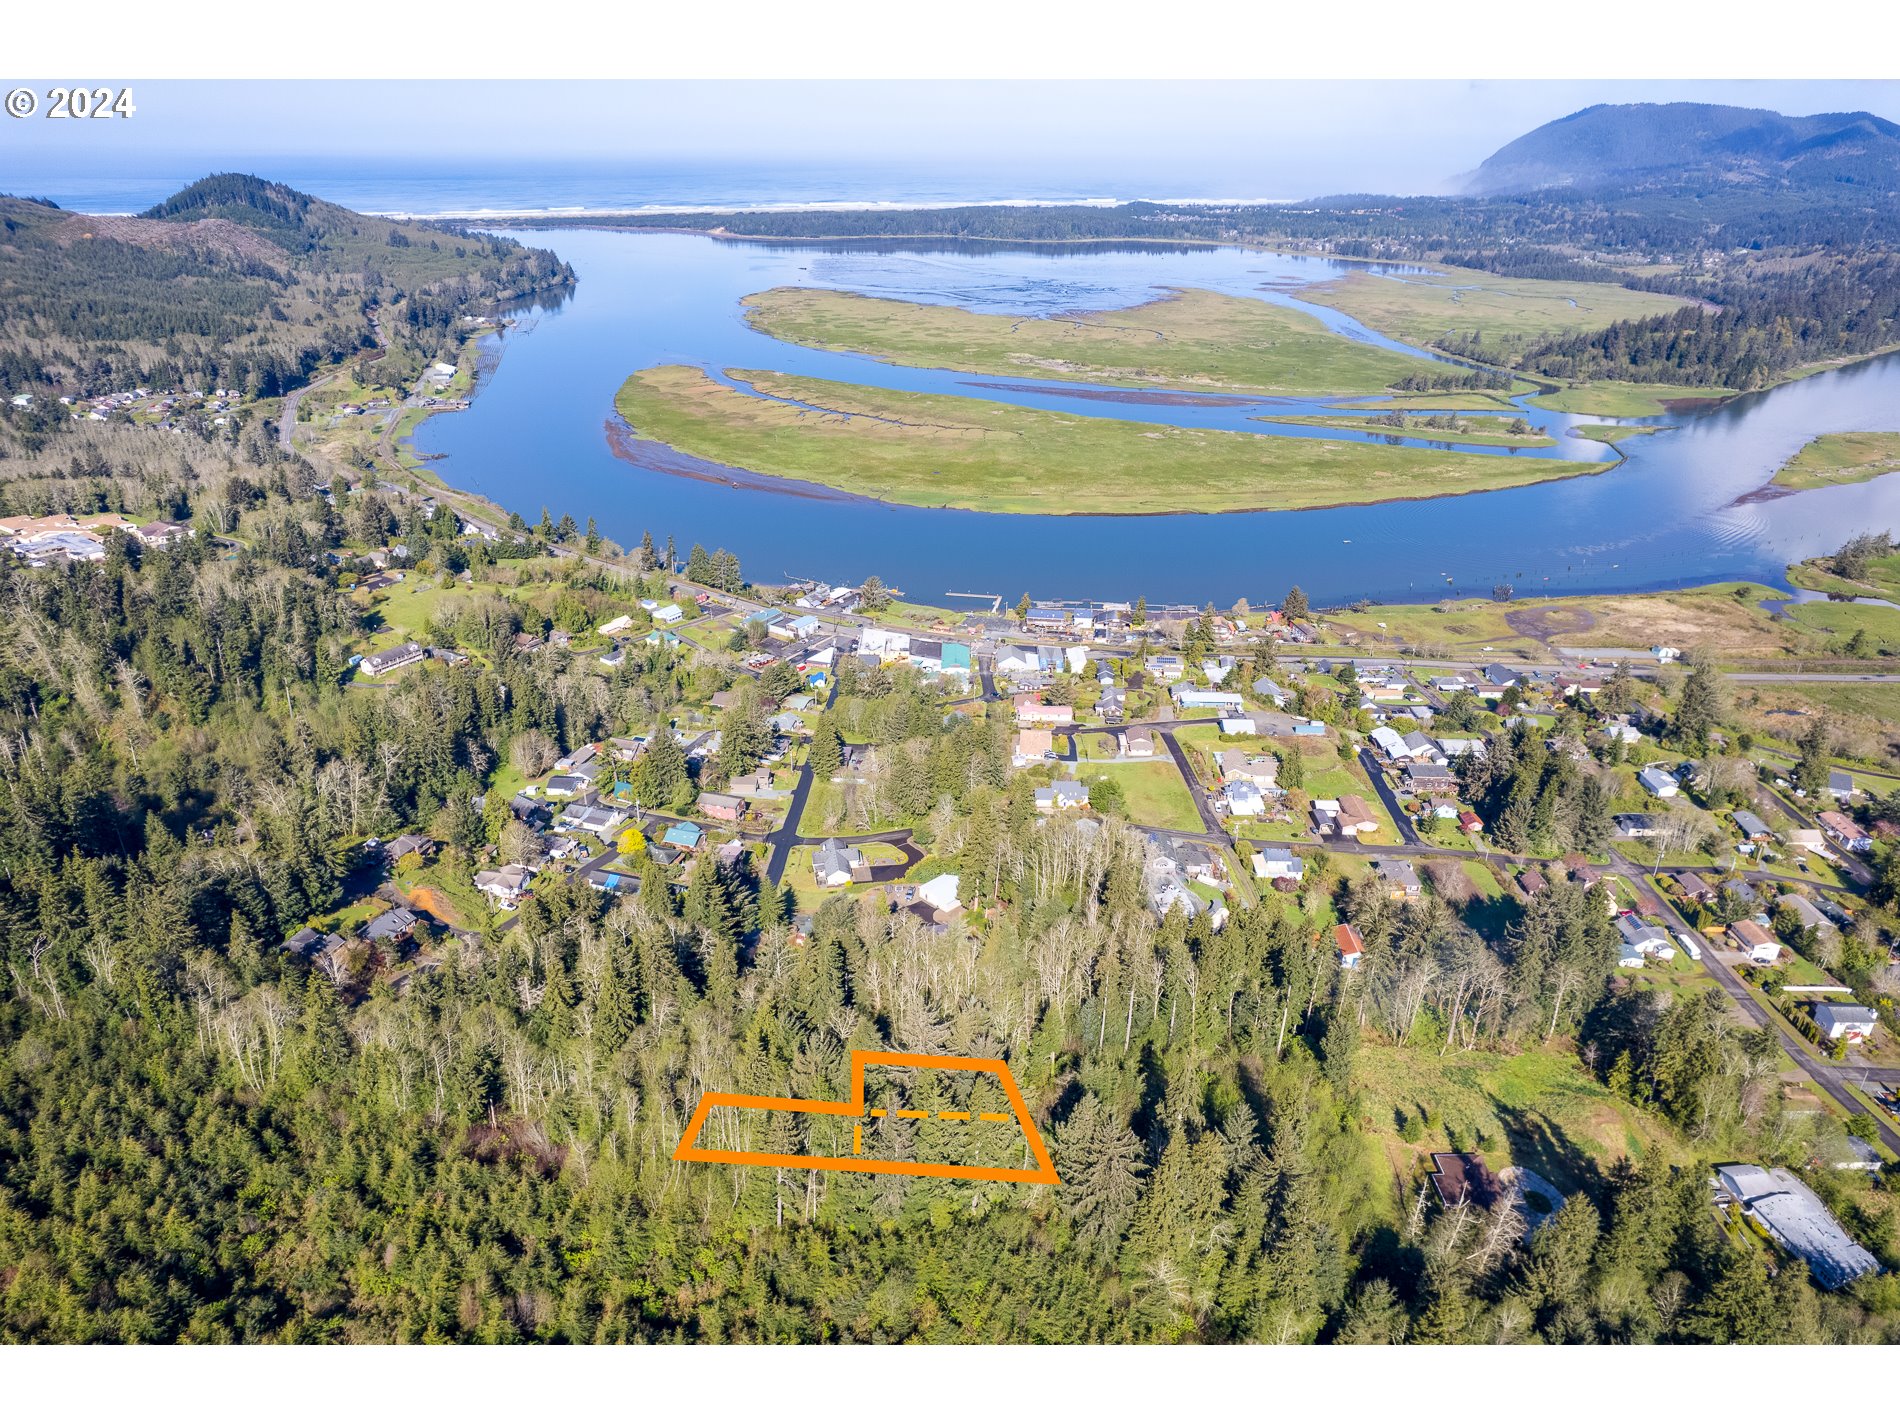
[1264,139]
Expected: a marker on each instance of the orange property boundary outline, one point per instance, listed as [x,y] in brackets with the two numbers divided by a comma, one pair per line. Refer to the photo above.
[689,1150]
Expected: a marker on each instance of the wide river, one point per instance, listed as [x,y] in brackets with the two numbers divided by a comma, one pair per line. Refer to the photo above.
[542,433]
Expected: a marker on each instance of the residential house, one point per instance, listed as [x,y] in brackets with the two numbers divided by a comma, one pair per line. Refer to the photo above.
[1692,887]
[1461,747]
[1840,786]
[1753,827]
[312,943]
[1844,831]
[1030,711]
[375,665]
[1657,782]
[1470,823]
[1854,1023]
[837,863]
[1756,941]
[1244,799]
[1033,744]
[1401,881]
[594,818]
[1355,818]
[1352,946]
[393,924]
[618,624]
[1236,727]
[1644,938]
[1637,826]
[505,885]
[1807,913]
[412,842]
[568,784]
[1531,881]
[528,810]
[1139,743]
[1421,748]
[668,613]
[683,836]
[1060,795]
[1391,744]
[1429,778]
[1271,691]
[1010,661]
[1806,839]
[1278,865]
[719,806]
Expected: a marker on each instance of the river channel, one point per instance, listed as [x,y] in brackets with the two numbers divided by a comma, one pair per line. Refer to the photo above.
[541,432]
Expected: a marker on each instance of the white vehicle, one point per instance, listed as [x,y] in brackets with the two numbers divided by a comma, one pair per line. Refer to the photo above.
[1691,944]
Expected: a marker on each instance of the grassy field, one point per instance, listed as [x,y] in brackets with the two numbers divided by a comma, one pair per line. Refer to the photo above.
[1155,794]
[1880,701]
[1436,401]
[1710,617]
[1537,1108]
[1625,398]
[1845,459]
[951,451]
[1611,435]
[1513,313]
[1476,430]
[1189,339]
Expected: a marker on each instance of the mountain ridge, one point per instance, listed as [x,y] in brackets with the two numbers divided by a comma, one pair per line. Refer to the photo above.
[1682,145]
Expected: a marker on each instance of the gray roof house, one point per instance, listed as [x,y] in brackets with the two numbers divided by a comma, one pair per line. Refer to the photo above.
[392,924]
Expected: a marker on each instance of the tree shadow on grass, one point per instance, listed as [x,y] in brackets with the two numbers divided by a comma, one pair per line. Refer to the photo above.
[1540,1144]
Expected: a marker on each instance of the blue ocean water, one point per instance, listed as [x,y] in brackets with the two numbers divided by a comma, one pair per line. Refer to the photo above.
[406,187]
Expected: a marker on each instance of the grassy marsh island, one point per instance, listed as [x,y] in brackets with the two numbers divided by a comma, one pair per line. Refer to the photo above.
[1460,429]
[1848,458]
[1190,339]
[953,451]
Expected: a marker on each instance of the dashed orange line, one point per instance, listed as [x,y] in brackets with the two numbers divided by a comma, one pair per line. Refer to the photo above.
[857,1138]
[912,1113]
[996,1118]
[877,1113]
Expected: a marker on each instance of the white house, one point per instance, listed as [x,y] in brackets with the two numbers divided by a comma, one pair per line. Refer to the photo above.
[1272,865]
[1237,727]
[506,885]
[668,613]
[1645,939]
[1389,743]
[1657,782]
[1852,1022]
[615,625]
[940,893]
[1244,799]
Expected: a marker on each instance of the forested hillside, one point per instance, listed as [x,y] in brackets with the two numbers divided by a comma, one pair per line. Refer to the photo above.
[235,283]
[204,1137]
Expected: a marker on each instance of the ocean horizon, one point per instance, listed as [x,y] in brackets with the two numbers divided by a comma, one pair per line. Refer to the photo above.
[675,188]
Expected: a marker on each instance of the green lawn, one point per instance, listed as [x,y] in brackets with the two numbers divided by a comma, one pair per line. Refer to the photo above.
[963,453]
[1155,794]
[1537,1108]
[1191,338]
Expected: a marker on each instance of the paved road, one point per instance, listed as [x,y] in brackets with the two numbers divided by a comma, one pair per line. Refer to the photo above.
[1407,832]
[1831,1078]
[1199,793]
[786,837]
